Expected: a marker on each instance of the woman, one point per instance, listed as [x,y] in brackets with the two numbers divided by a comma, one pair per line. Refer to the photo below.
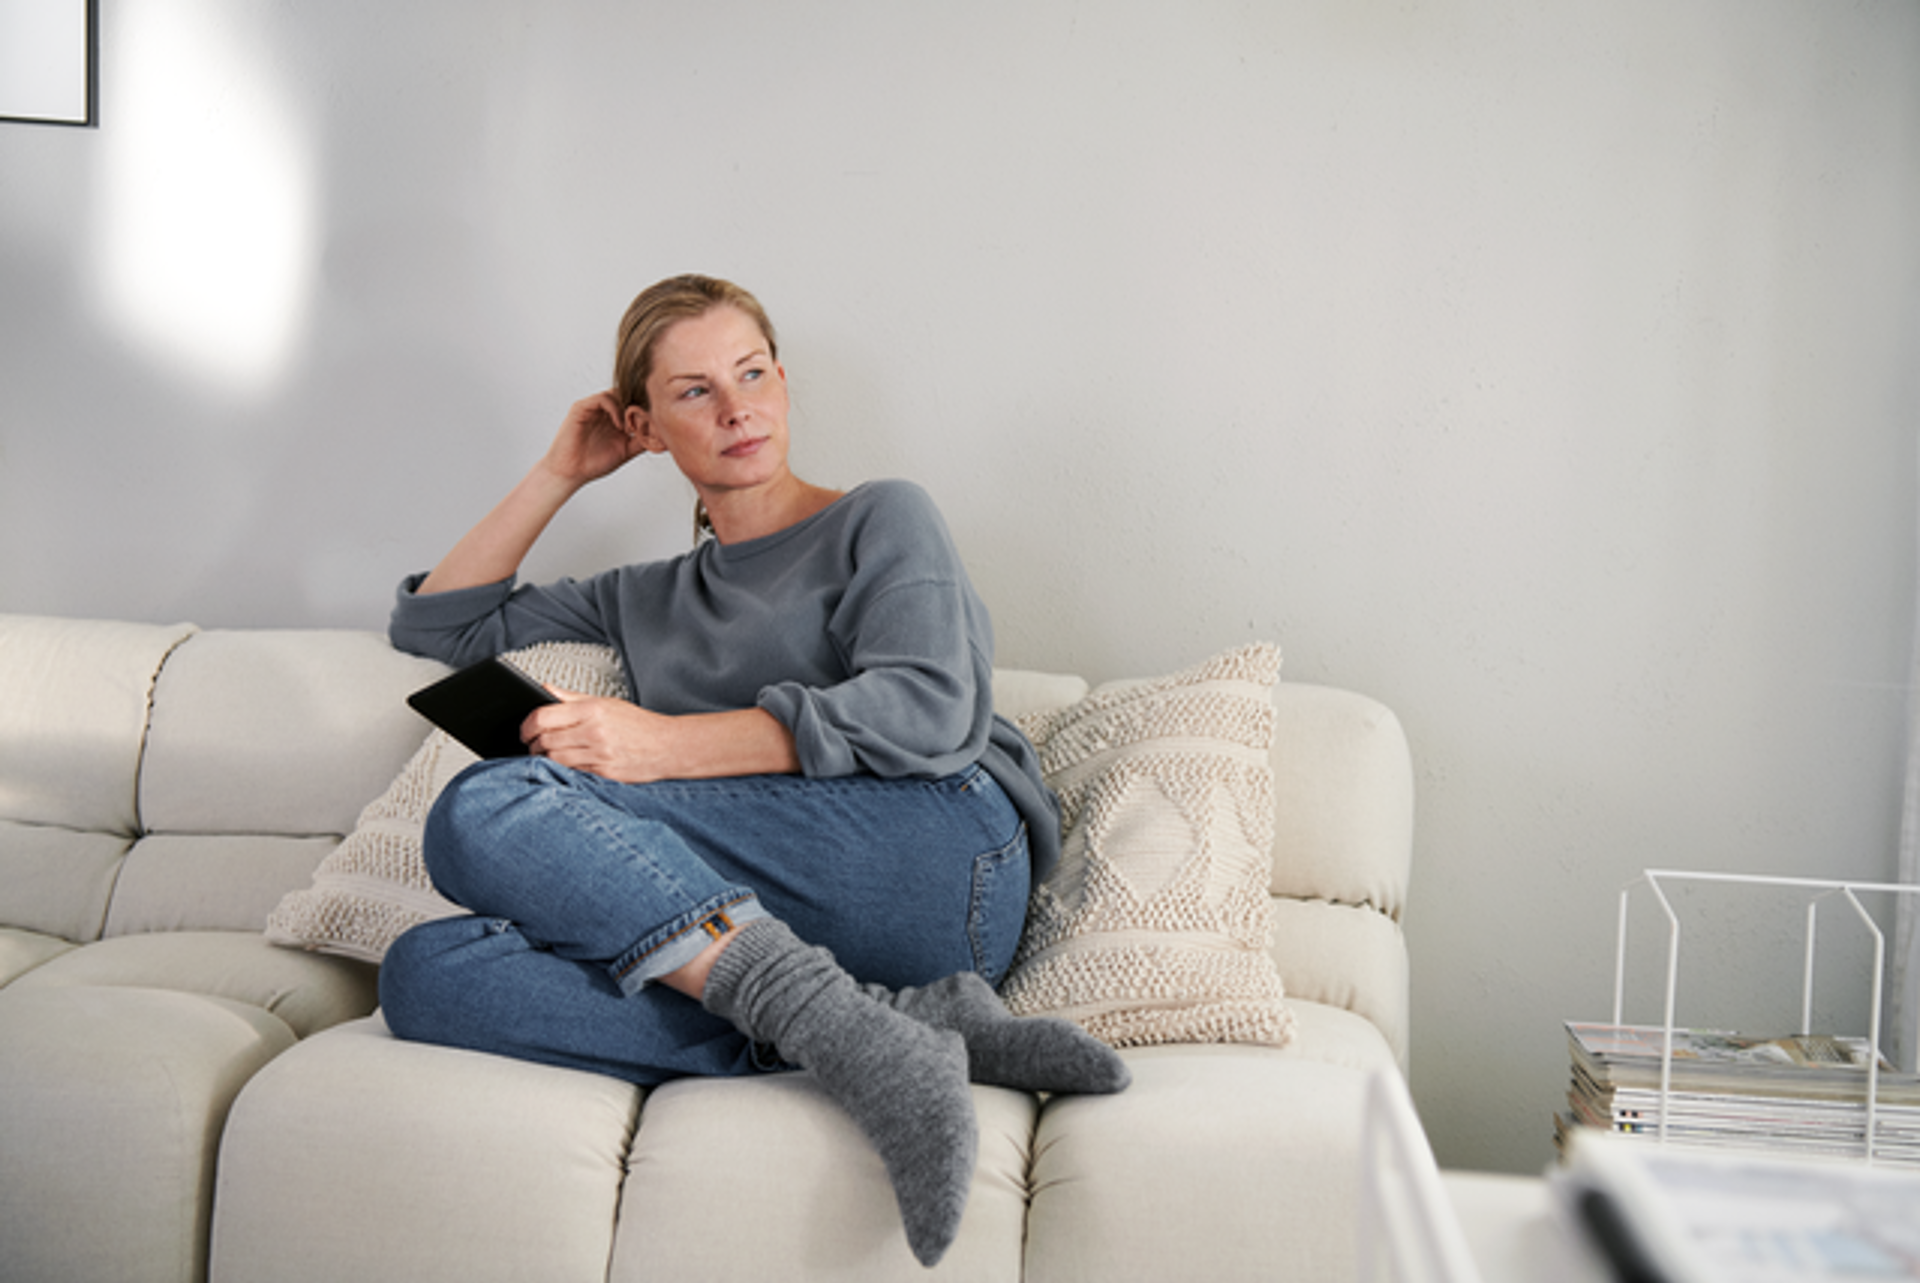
[807,841]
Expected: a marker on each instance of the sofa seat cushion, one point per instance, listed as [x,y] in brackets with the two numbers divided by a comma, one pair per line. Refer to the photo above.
[359,1156]
[1335,1036]
[22,951]
[114,1103]
[306,992]
[1219,1162]
[801,1194]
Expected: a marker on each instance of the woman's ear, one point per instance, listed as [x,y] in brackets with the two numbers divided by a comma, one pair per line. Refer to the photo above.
[639,426]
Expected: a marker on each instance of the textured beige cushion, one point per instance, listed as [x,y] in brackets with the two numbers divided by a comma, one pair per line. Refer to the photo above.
[375,886]
[1155,925]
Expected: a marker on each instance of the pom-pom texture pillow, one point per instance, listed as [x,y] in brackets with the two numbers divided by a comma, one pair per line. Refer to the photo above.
[374,885]
[1154,927]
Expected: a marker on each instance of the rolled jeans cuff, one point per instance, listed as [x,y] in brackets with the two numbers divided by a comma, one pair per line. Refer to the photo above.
[680,941]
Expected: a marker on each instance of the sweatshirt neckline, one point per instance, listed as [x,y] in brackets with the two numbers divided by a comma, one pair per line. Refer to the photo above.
[765,543]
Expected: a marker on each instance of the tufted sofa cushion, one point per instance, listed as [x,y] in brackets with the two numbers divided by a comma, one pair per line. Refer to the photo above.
[74,696]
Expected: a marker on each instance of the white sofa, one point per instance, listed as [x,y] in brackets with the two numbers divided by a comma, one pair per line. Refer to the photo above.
[181,1099]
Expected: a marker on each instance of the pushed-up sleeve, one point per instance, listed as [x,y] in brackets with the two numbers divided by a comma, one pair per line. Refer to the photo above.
[917,646]
[467,625]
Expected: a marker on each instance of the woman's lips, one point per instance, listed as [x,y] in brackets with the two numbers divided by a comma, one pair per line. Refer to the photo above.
[744,449]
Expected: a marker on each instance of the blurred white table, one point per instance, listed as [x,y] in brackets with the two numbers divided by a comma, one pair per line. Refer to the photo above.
[1511,1230]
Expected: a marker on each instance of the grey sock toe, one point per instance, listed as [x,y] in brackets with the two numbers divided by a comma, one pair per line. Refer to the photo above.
[902,1081]
[1031,1053]
[912,1101]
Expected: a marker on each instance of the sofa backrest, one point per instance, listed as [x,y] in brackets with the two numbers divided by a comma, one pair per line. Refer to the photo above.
[277,731]
[263,747]
[172,778]
[1342,853]
[74,696]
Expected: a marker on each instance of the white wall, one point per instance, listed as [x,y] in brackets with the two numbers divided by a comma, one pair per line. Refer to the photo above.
[1547,371]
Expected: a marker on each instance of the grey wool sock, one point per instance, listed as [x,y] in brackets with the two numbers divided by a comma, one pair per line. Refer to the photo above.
[1028,1053]
[904,1082]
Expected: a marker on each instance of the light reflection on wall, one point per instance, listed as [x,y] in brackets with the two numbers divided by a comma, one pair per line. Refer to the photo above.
[207,220]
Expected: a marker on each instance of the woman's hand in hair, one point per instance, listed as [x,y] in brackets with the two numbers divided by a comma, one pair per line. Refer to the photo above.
[593,441]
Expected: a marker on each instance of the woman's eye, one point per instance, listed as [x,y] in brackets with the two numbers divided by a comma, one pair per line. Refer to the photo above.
[692,392]
[751,376]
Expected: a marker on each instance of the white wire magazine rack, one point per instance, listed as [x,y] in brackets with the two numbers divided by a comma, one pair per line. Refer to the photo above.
[1818,890]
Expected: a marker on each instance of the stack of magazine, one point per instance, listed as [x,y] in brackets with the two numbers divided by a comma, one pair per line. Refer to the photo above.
[1798,1095]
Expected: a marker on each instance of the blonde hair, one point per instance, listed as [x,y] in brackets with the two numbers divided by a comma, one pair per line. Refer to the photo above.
[652,313]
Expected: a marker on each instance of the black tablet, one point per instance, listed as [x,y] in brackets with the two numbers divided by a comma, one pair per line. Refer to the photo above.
[483,706]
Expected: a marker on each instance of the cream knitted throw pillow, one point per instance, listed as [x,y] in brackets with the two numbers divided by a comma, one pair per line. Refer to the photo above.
[1154,927]
[374,885]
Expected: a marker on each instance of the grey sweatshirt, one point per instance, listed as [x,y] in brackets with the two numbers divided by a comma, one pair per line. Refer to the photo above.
[857,628]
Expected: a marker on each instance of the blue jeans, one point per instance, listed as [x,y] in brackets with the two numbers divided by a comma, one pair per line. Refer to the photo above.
[581,891]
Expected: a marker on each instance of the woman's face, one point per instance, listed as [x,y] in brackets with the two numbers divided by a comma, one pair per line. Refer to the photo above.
[717,403]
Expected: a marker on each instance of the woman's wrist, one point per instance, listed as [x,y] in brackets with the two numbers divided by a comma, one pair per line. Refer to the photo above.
[749,741]
[549,485]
